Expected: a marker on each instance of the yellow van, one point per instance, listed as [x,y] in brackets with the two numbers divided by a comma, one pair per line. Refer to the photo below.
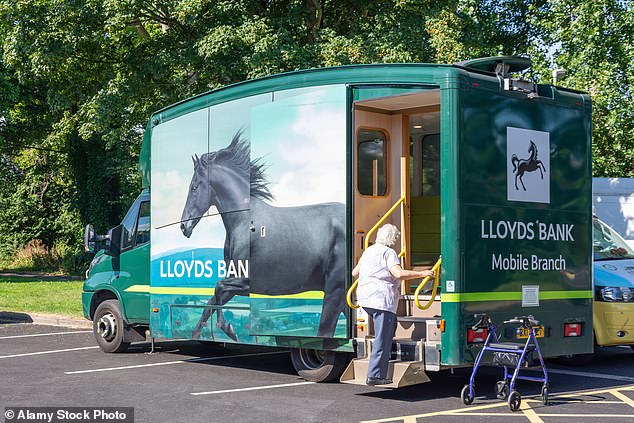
[613,315]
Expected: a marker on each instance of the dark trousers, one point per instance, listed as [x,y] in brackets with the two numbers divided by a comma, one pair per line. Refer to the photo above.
[384,328]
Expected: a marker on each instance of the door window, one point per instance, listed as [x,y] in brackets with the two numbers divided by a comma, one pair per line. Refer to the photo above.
[372,164]
[431,165]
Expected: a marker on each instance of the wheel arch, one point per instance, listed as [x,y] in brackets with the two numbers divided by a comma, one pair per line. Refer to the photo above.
[102,295]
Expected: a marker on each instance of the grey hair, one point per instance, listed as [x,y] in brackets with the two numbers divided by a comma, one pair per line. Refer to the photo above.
[387,235]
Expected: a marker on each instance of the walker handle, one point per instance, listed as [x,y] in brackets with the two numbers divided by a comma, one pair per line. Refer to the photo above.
[526,321]
[484,321]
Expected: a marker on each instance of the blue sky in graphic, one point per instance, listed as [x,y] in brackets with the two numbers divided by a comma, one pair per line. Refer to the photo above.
[300,136]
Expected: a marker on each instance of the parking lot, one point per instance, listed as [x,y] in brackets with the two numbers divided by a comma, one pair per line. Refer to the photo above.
[195,382]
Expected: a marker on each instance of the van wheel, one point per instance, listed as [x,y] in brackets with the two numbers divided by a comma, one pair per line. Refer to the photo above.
[318,365]
[107,326]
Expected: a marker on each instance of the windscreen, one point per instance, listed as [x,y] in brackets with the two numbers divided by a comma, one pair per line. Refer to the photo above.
[607,244]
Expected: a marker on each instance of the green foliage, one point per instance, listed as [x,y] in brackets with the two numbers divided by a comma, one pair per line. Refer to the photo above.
[79,78]
[594,42]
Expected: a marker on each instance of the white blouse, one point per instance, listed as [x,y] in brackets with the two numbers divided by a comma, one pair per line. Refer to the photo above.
[377,288]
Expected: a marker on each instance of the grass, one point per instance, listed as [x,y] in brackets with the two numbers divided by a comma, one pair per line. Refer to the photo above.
[26,295]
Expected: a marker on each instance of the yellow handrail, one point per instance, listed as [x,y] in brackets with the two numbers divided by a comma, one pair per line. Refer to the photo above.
[376,226]
[434,290]
[353,287]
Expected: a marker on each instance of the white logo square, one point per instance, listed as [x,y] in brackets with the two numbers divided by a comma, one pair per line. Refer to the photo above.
[527,165]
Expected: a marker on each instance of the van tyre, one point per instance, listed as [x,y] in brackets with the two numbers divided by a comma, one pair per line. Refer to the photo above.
[107,326]
[319,366]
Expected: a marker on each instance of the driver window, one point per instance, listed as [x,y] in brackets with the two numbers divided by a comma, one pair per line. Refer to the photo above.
[143,227]
[129,225]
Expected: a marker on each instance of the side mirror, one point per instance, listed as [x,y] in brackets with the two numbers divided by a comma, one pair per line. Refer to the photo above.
[113,243]
[90,238]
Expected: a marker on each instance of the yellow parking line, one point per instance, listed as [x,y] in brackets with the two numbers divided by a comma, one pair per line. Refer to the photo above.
[527,411]
[530,414]
[457,411]
[577,401]
[602,391]
[509,414]
[629,401]
[624,416]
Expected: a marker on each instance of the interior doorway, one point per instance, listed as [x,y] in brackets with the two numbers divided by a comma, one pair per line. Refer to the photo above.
[396,128]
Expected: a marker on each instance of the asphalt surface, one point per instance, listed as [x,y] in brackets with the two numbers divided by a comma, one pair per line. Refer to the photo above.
[194,382]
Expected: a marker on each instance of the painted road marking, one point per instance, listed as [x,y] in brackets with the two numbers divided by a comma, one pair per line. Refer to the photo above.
[509,414]
[624,416]
[167,363]
[530,414]
[254,388]
[527,412]
[629,401]
[592,375]
[47,352]
[44,334]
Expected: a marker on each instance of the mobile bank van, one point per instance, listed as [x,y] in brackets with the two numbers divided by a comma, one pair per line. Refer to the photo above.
[259,198]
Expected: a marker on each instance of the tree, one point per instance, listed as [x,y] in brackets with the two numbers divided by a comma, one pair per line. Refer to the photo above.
[79,78]
[594,42]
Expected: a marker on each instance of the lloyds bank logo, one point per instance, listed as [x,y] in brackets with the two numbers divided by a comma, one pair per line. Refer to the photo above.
[527,165]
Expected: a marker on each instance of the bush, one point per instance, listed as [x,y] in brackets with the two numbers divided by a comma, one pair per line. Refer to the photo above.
[60,258]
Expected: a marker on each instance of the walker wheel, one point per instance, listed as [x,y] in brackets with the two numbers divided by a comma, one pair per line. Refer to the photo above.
[464,394]
[545,395]
[502,390]
[515,399]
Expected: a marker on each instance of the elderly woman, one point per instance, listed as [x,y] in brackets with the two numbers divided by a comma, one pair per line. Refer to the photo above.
[379,271]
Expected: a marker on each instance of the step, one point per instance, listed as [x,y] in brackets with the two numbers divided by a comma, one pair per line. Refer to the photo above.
[417,328]
[407,306]
[403,349]
[402,373]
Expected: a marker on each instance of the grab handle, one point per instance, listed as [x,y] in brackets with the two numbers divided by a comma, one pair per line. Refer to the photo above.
[353,288]
[434,290]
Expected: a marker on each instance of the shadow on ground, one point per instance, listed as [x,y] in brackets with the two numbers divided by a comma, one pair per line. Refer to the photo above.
[13,317]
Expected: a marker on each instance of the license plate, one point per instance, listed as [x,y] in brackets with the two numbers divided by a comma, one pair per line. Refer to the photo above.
[522,333]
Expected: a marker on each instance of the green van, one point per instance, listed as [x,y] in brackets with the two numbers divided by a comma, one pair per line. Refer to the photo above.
[261,196]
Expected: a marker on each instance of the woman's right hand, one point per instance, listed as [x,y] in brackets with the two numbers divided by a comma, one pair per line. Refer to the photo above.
[426,273]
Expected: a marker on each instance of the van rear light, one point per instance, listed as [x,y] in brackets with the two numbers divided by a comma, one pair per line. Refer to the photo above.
[572,329]
[478,335]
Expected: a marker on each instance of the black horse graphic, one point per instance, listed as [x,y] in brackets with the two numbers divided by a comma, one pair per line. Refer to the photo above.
[290,249]
[527,165]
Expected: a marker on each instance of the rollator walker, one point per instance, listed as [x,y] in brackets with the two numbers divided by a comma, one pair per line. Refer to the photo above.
[509,355]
